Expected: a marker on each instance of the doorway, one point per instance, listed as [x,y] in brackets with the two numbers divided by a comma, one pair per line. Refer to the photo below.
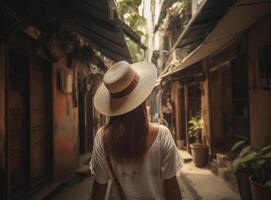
[193,108]
[240,97]
[28,124]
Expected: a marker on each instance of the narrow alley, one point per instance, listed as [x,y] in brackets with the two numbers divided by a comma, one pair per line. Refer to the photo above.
[195,183]
[135,99]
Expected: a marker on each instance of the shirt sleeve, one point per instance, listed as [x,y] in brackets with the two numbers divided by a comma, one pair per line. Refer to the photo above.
[170,159]
[98,163]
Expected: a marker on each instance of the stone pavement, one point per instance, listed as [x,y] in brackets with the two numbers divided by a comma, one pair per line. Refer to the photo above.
[80,188]
[204,185]
[195,183]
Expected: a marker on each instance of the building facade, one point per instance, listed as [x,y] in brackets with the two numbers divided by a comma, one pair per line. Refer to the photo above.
[223,75]
[52,55]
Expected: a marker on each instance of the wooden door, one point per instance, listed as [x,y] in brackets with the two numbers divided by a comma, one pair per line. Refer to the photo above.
[216,109]
[17,123]
[27,125]
[39,137]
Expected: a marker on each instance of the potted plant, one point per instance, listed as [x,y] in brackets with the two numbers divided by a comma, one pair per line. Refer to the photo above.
[241,167]
[200,151]
[260,180]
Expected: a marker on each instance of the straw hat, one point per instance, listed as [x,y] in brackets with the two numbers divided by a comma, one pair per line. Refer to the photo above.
[125,87]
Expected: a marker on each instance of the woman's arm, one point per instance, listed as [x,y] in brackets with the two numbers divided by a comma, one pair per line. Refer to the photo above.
[172,190]
[98,191]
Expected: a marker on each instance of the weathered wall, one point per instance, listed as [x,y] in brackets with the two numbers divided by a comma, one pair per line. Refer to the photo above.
[220,108]
[2,117]
[260,99]
[205,110]
[186,103]
[175,88]
[65,125]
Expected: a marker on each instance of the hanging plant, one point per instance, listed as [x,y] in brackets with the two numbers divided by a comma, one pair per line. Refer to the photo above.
[60,42]
[87,62]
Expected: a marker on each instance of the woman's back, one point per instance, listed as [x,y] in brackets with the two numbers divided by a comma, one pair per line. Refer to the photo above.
[141,179]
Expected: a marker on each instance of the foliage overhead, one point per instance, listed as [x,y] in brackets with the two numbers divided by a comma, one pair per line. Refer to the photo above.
[128,11]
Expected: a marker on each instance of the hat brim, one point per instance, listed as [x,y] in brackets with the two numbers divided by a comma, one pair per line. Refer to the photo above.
[110,106]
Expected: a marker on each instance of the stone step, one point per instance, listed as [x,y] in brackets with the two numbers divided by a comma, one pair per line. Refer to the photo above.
[185,156]
[225,173]
[83,171]
[84,158]
[213,166]
[224,159]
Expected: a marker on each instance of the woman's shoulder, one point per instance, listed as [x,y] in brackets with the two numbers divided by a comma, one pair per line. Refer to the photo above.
[163,131]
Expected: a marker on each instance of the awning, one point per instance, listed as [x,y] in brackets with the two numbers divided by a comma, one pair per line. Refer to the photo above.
[241,16]
[93,19]
[166,4]
[203,21]
[201,24]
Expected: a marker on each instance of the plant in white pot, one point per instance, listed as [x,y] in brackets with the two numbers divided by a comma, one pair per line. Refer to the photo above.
[200,151]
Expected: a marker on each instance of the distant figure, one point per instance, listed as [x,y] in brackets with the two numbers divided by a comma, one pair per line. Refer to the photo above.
[155,118]
[167,113]
[162,121]
[140,157]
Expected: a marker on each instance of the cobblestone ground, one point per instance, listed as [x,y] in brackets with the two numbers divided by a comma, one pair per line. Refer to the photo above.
[79,188]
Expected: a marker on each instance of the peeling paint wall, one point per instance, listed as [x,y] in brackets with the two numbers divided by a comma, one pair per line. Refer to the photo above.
[220,109]
[205,110]
[260,99]
[65,126]
[175,89]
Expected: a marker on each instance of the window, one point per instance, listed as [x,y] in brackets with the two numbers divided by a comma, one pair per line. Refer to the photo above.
[240,99]
[265,66]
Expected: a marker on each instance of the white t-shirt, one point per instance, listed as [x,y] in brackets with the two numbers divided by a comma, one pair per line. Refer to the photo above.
[141,180]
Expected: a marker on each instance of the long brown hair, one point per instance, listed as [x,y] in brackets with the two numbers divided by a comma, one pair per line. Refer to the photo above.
[125,135]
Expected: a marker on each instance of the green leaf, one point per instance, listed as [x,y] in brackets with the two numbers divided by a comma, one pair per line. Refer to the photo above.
[249,156]
[266,149]
[266,155]
[237,145]
[245,150]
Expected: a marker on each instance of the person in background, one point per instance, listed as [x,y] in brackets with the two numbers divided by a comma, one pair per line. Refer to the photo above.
[162,121]
[140,157]
[155,118]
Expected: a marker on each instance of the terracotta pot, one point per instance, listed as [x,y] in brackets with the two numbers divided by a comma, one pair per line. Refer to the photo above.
[200,154]
[259,191]
[242,178]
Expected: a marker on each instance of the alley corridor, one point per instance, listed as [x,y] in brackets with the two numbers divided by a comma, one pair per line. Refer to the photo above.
[162,98]
[195,184]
